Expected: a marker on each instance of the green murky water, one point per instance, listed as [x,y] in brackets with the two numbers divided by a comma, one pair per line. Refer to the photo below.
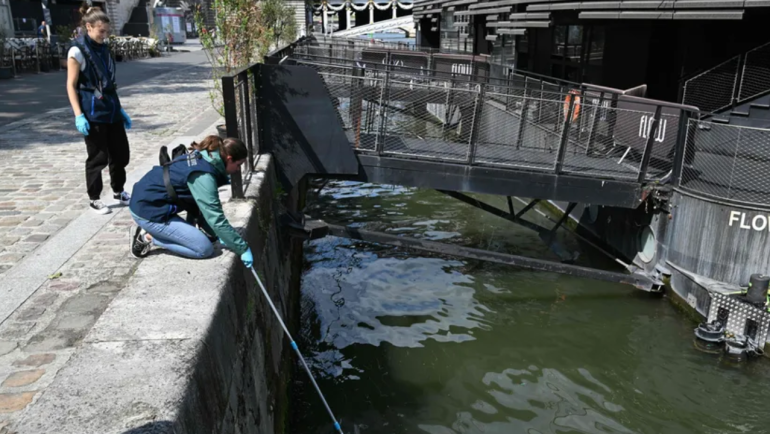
[403,342]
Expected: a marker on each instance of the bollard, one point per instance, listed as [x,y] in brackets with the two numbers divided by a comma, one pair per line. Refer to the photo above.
[758,285]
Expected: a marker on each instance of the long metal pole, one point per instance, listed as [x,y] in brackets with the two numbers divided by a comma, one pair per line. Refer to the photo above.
[296,349]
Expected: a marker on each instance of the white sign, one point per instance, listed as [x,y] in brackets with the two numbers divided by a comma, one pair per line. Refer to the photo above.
[758,223]
[189,27]
[176,25]
[645,126]
[461,68]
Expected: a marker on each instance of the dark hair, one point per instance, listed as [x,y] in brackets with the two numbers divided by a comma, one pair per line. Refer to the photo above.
[92,15]
[232,147]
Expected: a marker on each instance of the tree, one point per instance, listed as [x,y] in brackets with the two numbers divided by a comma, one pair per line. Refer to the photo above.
[244,31]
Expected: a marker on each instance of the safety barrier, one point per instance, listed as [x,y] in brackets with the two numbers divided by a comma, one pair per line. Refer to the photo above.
[733,81]
[465,113]
[727,162]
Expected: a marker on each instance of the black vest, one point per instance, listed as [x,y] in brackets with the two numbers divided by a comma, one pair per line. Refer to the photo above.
[96,84]
[150,199]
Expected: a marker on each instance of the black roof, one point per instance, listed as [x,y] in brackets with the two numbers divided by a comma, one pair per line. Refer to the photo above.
[536,13]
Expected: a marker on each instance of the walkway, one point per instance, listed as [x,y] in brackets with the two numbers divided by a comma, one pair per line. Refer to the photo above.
[60,264]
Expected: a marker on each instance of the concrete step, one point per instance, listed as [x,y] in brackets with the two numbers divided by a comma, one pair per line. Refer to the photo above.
[720,120]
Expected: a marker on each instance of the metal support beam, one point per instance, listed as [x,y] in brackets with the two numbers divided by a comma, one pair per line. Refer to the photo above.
[550,240]
[543,232]
[497,181]
[529,206]
[563,218]
[639,281]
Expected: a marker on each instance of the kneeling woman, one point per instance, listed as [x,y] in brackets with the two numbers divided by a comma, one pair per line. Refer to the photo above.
[194,179]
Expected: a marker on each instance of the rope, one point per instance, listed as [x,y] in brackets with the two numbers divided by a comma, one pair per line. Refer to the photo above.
[296,349]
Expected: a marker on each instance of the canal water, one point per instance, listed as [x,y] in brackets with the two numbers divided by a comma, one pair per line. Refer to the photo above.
[404,342]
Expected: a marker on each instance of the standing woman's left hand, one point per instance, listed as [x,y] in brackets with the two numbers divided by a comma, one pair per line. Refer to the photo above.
[126,119]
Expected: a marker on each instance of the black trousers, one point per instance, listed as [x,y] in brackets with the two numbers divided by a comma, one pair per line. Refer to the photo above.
[106,144]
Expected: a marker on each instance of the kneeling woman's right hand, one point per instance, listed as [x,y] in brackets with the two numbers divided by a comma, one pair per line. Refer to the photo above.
[247,258]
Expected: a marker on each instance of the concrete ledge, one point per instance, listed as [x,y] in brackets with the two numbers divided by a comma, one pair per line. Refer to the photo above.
[188,346]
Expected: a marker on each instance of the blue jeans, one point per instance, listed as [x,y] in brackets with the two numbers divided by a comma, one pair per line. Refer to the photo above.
[178,237]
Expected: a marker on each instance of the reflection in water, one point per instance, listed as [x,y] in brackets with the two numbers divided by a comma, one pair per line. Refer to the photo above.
[410,343]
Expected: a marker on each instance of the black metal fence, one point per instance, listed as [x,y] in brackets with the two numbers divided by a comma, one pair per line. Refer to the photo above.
[30,55]
[731,82]
[35,55]
[727,162]
[239,92]
[477,115]
[581,132]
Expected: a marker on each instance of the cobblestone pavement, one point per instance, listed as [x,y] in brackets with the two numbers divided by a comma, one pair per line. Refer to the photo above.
[42,189]
[42,160]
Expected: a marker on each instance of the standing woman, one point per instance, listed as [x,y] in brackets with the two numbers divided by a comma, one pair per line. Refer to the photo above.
[92,92]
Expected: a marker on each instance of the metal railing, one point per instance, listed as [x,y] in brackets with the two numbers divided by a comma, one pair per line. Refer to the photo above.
[606,136]
[732,82]
[406,56]
[239,94]
[240,100]
[34,55]
[30,55]
[727,162]
[463,118]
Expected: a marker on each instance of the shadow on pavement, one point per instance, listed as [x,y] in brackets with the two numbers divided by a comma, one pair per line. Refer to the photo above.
[31,94]
[162,427]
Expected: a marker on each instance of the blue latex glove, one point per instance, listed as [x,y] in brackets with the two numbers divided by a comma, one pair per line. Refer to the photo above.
[247,258]
[81,123]
[126,119]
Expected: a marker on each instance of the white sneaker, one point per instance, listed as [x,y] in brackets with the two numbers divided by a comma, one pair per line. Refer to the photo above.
[99,207]
[123,197]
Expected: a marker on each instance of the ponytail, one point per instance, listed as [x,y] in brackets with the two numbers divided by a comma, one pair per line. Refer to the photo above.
[229,147]
[210,143]
[92,15]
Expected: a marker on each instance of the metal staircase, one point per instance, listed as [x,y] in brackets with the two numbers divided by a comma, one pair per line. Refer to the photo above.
[728,145]
[139,22]
[736,92]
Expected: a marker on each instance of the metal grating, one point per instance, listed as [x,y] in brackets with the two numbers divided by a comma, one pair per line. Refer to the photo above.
[713,89]
[739,313]
[756,73]
[727,162]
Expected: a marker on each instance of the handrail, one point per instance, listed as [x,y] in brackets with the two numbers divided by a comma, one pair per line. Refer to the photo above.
[430,53]
[513,116]
[739,77]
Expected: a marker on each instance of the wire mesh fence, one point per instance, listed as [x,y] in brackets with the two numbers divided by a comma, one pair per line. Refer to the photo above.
[713,89]
[727,162]
[412,129]
[396,113]
[755,77]
[400,109]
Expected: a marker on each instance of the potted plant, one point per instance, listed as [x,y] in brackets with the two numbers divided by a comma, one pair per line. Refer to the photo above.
[63,39]
[242,34]
[6,55]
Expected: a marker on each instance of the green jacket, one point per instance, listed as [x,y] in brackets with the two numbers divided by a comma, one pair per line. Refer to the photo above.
[203,187]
